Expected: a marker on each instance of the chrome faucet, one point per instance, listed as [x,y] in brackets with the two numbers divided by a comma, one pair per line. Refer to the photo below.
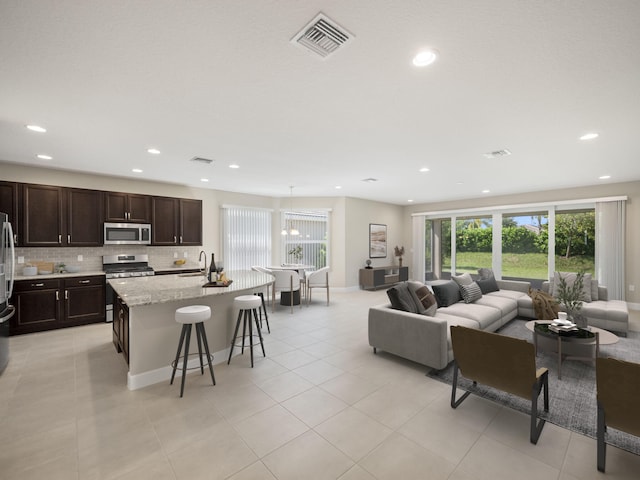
[204,272]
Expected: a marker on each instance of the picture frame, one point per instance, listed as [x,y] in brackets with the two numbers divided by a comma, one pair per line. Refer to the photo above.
[377,240]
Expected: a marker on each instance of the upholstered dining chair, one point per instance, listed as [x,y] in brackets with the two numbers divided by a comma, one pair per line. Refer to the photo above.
[501,362]
[618,396]
[318,279]
[285,281]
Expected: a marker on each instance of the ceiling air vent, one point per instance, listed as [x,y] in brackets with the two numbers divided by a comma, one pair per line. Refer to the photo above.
[369,180]
[322,36]
[497,153]
[202,160]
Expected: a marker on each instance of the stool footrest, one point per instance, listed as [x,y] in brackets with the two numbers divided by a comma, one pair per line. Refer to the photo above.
[181,358]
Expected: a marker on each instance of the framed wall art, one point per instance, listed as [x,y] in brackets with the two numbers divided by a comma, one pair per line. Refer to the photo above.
[377,240]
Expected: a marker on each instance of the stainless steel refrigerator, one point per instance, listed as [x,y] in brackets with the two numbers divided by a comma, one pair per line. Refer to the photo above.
[7,274]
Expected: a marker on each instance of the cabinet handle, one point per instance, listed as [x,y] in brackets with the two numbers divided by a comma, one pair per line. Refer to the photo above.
[180,238]
[37,284]
[57,295]
[174,239]
[69,238]
[84,281]
[15,239]
[60,239]
[66,294]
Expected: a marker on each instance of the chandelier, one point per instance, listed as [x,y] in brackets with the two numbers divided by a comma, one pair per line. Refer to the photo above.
[291,230]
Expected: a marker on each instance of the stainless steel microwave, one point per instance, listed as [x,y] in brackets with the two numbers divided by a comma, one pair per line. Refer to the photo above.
[127,233]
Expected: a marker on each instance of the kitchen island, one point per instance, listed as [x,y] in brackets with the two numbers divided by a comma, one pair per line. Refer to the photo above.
[153,333]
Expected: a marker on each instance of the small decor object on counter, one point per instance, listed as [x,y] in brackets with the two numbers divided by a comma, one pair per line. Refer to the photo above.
[72,269]
[399,252]
[30,270]
[212,269]
[180,261]
[61,267]
[368,262]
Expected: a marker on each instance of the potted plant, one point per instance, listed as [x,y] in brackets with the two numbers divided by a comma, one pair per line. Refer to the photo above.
[296,253]
[570,296]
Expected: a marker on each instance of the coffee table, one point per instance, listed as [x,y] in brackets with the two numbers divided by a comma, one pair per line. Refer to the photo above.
[574,342]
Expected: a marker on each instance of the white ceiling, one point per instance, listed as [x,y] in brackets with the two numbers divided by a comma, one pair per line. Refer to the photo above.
[221,79]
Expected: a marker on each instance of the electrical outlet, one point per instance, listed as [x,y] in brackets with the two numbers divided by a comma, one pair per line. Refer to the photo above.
[632,288]
[80,258]
[186,254]
[175,254]
[20,259]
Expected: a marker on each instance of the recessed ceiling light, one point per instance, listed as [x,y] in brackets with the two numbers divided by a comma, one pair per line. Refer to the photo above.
[424,169]
[338,187]
[424,58]
[44,157]
[36,128]
[410,201]
[605,177]
[589,136]
[136,170]
[204,179]
[153,151]
[486,191]
[233,165]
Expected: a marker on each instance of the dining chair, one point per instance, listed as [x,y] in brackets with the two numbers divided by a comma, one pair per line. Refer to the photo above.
[318,279]
[285,281]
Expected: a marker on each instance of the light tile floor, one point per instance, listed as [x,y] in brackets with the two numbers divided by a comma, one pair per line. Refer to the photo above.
[320,406]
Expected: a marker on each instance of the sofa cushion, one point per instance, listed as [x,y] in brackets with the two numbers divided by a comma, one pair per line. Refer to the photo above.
[425,301]
[488,318]
[446,293]
[470,293]
[401,298]
[485,273]
[594,290]
[570,278]
[462,279]
[488,285]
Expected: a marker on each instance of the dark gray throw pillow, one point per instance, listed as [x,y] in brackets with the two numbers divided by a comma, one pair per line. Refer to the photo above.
[401,299]
[446,293]
[488,285]
[425,301]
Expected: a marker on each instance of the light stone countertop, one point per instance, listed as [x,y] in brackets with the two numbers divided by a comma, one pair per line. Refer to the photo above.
[85,273]
[138,291]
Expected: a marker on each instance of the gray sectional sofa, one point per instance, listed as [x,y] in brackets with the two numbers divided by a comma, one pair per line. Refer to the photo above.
[426,339]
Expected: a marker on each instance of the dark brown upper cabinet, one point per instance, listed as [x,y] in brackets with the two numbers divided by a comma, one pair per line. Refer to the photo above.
[127,207]
[57,216]
[176,221]
[9,205]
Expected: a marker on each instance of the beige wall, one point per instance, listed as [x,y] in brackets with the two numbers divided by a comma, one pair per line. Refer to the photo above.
[630,189]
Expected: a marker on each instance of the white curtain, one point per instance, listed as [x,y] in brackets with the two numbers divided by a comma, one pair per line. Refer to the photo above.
[418,273]
[246,237]
[610,247]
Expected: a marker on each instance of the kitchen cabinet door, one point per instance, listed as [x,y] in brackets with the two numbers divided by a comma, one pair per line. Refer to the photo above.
[38,306]
[84,300]
[190,222]
[121,327]
[127,207]
[164,227]
[9,204]
[84,218]
[42,217]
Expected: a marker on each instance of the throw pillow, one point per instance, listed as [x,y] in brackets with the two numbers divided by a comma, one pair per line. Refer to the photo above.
[485,273]
[471,293]
[446,293]
[463,279]
[594,290]
[401,299]
[425,300]
[488,285]
[570,278]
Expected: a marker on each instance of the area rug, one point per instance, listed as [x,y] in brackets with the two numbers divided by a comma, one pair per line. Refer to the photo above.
[572,400]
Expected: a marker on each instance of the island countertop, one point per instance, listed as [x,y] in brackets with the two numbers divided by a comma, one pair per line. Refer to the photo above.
[138,291]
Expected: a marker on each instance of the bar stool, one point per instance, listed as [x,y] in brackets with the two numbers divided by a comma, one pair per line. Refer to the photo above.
[246,305]
[263,309]
[188,316]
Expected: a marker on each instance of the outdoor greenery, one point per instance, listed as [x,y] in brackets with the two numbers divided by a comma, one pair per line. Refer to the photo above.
[524,248]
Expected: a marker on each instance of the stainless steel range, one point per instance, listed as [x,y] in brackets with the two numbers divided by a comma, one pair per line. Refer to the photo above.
[123,266]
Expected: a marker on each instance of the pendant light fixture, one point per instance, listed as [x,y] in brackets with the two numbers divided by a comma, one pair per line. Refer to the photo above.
[292,231]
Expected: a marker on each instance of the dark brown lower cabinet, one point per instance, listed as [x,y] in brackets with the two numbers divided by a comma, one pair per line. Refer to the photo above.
[56,303]
[121,327]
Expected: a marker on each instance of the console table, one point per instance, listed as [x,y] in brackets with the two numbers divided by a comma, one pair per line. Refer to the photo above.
[372,278]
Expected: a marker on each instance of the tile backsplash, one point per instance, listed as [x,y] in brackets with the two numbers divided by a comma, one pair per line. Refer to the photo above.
[160,258]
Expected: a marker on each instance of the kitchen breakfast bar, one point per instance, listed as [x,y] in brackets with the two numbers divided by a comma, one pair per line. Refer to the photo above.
[152,330]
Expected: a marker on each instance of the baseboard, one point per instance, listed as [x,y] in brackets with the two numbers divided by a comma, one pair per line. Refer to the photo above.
[633,306]
[141,380]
